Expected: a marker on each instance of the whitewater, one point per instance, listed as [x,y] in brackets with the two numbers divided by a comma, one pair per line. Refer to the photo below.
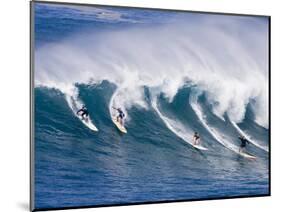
[171,57]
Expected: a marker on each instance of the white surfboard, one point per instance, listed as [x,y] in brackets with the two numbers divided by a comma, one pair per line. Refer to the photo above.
[246,155]
[88,123]
[199,147]
[75,104]
[119,126]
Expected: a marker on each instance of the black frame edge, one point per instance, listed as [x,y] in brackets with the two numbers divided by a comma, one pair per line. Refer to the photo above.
[149,203]
[31,107]
[269,104]
[153,8]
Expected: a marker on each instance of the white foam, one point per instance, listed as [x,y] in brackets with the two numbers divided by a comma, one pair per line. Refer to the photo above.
[216,135]
[241,132]
[75,104]
[227,59]
[177,128]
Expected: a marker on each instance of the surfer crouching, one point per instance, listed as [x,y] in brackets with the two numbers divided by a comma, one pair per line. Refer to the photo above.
[196,139]
[83,112]
[243,144]
[121,115]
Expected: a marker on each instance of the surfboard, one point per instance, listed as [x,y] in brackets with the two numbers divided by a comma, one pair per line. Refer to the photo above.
[246,155]
[119,126]
[88,123]
[199,147]
[75,104]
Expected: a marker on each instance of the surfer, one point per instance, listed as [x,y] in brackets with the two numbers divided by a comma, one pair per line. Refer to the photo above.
[121,115]
[243,144]
[196,139]
[83,112]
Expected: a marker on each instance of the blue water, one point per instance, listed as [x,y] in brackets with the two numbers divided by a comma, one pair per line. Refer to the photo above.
[75,166]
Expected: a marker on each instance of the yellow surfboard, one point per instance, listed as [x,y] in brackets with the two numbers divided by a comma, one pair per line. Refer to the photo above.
[119,126]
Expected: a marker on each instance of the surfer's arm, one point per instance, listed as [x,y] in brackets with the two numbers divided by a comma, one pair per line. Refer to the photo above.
[78,111]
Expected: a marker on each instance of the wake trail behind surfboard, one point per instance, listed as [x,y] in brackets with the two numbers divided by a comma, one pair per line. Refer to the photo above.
[75,104]
[176,128]
[113,113]
[248,137]
[216,135]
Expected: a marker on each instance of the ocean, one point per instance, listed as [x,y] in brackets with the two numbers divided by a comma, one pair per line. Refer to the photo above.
[171,80]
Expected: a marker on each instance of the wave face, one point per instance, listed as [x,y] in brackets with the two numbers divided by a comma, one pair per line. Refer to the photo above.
[173,74]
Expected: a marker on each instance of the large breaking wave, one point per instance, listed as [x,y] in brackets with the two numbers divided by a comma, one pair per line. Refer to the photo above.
[224,61]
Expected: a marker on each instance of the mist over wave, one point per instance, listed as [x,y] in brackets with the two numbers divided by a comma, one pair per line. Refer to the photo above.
[225,59]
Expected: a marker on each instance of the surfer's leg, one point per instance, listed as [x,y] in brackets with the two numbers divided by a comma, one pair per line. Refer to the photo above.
[119,119]
[193,141]
[241,148]
[83,115]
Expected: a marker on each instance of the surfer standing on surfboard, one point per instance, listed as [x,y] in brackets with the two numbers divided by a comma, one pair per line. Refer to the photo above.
[83,112]
[196,139]
[121,115]
[243,144]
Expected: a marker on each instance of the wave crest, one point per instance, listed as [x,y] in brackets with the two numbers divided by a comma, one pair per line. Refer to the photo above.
[222,63]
